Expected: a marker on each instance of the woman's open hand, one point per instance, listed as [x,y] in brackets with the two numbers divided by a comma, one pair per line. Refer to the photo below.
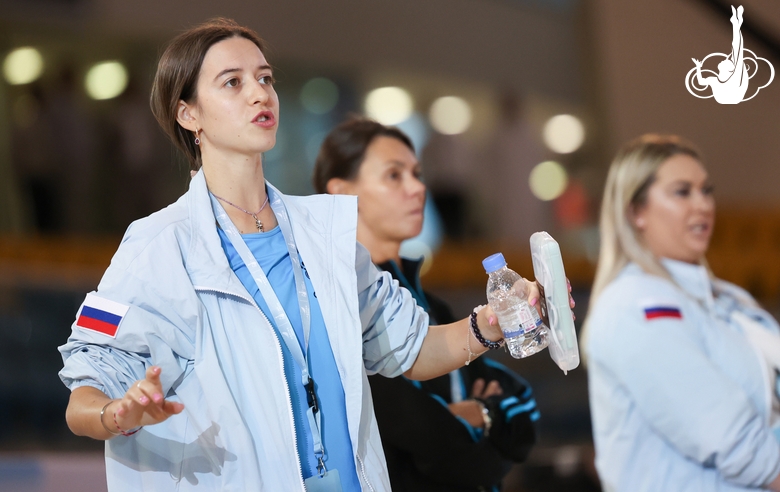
[143,404]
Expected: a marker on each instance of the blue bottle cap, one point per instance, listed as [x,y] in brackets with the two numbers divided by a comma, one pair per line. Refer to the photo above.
[494,262]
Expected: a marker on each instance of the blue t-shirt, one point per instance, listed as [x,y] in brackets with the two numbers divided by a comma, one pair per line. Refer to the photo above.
[270,251]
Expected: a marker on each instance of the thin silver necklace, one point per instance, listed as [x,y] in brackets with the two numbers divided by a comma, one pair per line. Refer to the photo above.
[254,215]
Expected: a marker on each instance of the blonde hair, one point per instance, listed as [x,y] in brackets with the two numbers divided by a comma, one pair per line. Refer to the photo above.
[630,176]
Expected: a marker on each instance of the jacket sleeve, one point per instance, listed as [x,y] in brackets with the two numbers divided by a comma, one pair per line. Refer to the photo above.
[442,447]
[682,395]
[157,329]
[394,327]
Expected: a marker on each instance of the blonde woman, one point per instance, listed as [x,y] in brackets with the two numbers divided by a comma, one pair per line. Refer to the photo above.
[682,366]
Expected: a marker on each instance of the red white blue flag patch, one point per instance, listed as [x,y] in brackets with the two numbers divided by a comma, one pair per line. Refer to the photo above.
[656,312]
[101,315]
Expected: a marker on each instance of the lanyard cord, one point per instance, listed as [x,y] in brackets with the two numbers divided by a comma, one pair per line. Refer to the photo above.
[277,310]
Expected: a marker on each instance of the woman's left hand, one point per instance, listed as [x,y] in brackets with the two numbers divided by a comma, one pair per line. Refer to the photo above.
[493,331]
[541,306]
[532,292]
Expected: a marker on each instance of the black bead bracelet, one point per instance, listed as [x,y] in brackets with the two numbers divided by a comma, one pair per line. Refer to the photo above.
[482,340]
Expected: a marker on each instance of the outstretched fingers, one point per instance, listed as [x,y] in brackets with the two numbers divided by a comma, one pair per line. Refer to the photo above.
[144,404]
[172,407]
[152,385]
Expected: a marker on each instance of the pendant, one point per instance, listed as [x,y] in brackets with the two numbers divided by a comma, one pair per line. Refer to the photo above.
[258,223]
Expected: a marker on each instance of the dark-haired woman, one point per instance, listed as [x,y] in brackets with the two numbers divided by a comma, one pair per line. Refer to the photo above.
[227,345]
[458,432]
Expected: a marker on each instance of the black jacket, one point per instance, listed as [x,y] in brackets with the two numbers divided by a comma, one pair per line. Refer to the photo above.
[426,446]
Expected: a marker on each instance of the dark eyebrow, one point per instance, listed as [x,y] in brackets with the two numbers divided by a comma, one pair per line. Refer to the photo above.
[231,70]
[401,165]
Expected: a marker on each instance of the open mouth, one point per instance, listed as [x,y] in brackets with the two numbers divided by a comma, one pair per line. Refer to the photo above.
[264,118]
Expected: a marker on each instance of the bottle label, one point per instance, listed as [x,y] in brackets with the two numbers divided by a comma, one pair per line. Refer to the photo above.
[526,320]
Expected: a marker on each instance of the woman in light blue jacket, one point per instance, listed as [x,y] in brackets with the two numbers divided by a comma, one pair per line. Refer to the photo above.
[682,366]
[228,345]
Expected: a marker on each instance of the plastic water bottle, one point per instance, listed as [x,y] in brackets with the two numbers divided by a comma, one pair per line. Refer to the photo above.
[524,332]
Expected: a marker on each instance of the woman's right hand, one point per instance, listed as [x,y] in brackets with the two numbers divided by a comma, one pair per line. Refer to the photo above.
[143,404]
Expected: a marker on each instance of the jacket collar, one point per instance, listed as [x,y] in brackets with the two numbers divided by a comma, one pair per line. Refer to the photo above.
[206,262]
[694,279]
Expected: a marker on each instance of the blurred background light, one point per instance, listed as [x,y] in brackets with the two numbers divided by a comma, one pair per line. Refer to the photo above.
[319,95]
[389,105]
[563,133]
[22,66]
[106,80]
[548,180]
[450,115]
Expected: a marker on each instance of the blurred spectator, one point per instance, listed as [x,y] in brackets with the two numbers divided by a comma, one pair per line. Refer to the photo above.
[684,367]
[515,213]
[137,170]
[73,144]
[34,163]
[449,175]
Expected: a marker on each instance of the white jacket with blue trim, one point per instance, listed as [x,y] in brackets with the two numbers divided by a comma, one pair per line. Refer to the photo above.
[678,397]
[186,306]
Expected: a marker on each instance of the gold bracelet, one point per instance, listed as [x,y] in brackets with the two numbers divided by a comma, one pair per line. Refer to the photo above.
[101,419]
[472,355]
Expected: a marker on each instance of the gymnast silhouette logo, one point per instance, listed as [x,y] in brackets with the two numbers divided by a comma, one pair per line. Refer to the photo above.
[730,84]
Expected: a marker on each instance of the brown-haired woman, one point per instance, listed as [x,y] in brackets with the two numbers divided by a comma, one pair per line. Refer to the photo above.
[458,432]
[227,345]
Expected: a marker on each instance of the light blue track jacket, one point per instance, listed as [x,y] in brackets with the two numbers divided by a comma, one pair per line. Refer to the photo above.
[679,403]
[190,314]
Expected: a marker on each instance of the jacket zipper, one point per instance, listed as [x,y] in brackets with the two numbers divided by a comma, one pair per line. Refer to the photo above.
[284,376]
[363,472]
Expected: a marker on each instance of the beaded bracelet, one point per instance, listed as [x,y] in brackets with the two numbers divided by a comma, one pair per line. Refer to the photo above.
[481,339]
[124,433]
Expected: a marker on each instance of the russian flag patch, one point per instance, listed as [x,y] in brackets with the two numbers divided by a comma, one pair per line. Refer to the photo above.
[656,312]
[101,315]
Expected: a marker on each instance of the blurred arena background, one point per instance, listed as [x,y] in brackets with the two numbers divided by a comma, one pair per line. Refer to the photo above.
[515,106]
